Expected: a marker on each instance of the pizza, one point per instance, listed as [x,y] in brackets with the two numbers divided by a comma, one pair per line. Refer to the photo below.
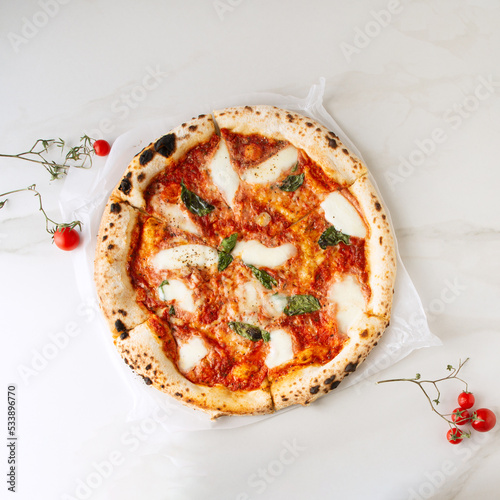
[244,262]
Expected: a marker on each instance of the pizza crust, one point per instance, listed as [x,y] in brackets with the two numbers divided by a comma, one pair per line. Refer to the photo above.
[379,248]
[116,294]
[321,145]
[153,159]
[303,385]
[141,349]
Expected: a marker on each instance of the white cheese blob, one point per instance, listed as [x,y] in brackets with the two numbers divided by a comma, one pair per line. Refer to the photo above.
[191,353]
[275,304]
[174,216]
[345,218]
[281,349]
[271,169]
[255,253]
[178,291]
[223,174]
[185,256]
[348,296]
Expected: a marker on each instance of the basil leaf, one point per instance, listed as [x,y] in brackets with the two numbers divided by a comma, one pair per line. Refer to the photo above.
[160,289]
[251,332]
[265,278]
[227,244]
[224,260]
[301,304]
[194,203]
[171,311]
[332,237]
[292,182]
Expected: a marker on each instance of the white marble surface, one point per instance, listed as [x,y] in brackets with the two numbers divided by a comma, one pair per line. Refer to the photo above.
[418,95]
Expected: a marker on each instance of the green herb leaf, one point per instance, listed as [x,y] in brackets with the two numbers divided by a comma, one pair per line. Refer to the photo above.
[227,244]
[332,237]
[301,304]
[251,332]
[194,203]
[224,260]
[171,311]
[265,278]
[292,182]
[161,293]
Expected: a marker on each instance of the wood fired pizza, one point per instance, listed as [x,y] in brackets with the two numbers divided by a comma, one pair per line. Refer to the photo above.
[245,263]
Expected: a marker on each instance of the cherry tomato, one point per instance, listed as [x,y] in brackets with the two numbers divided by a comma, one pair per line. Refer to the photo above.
[460,416]
[483,420]
[454,436]
[466,400]
[66,238]
[102,148]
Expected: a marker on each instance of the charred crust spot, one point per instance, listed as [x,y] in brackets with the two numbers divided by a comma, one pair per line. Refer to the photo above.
[383,216]
[249,108]
[329,380]
[222,114]
[284,398]
[162,386]
[290,117]
[201,116]
[126,361]
[184,124]
[364,334]
[344,150]
[146,157]
[277,114]
[129,175]
[148,367]
[178,394]
[257,112]
[165,145]
[125,185]
[192,128]
[105,237]
[314,389]
[332,134]
[141,176]
[318,129]
[111,224]
[335,385]
[122,312]
[378,206]
[115,208]
[124,336]
[380,240]
[111,246]
[309,124]
[351,367]
[332,143]
[120,327]
[147,380]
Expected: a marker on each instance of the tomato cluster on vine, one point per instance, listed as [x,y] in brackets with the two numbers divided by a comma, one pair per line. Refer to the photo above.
[481,420]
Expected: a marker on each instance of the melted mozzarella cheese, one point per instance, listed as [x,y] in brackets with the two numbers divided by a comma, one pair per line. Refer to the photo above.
[223,175]
[174,216]
[191,353]
[345,218]
[255,253]
[185,256]
[281,349]
[271,169]
[178,291]
[350,301]
[275,304]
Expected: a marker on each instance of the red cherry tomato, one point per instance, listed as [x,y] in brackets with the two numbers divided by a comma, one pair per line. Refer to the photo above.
[66,238]
[460,416]
[483,420]
[102,148]
[454,436]
[466,400]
